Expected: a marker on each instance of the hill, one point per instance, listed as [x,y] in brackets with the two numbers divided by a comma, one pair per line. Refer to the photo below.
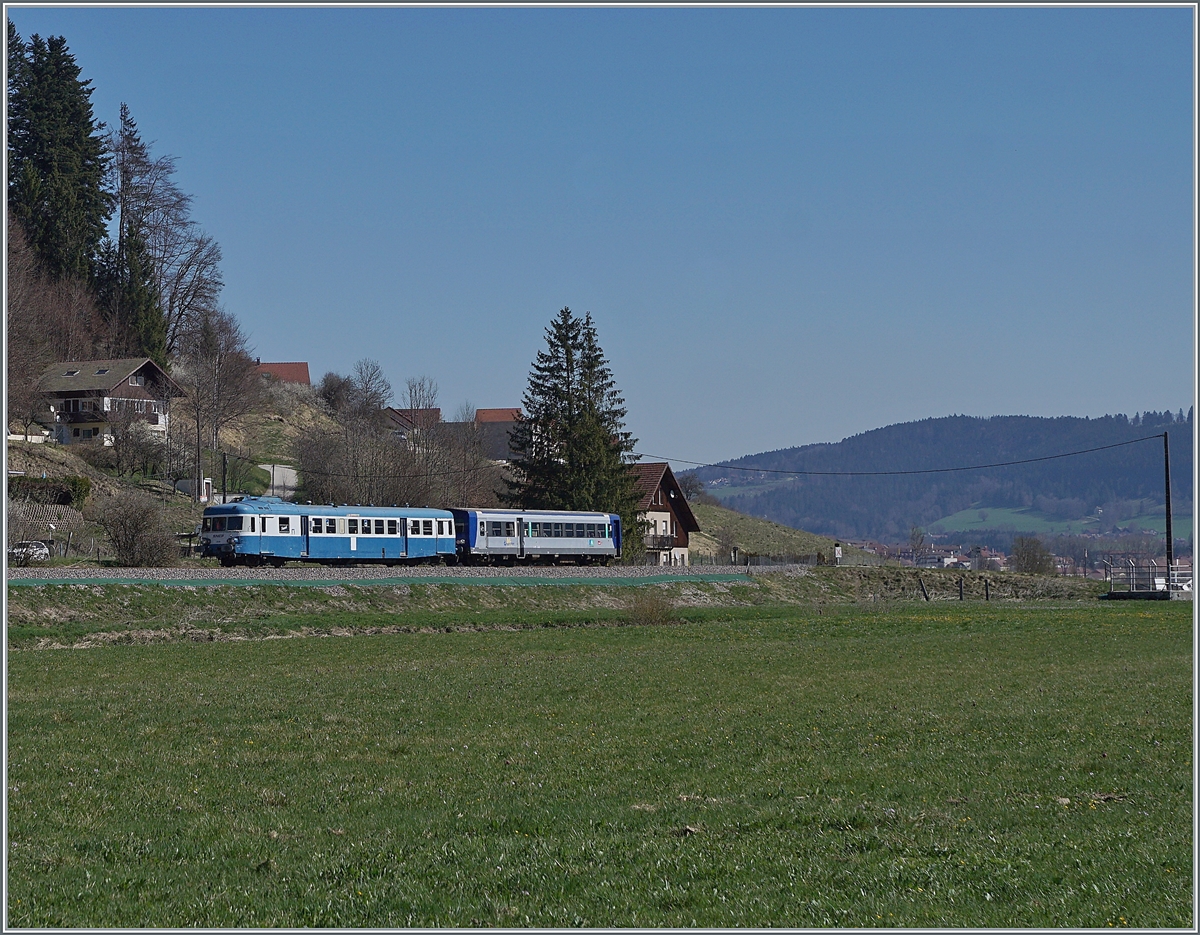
[720,525]
[1122,482]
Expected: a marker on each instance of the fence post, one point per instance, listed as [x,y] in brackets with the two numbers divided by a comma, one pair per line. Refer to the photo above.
[922,584]
[960,589]
[987,591]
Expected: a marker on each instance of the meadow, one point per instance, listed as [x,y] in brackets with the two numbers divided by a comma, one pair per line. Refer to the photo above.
[902,764]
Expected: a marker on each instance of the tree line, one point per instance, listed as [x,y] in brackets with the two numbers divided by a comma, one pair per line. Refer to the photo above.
[1119,480]
[105,261]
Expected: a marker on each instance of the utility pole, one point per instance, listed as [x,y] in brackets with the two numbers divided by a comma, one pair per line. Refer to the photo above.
[1170,534]
[224,472]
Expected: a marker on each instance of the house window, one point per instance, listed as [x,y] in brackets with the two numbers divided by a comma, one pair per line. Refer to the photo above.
[71,373]
[101,371]
[75,433]
[136,380]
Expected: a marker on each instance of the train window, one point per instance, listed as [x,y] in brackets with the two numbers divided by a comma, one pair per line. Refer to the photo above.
[591,530]
[510,529]
[206,524]
[379,527]
[414,527]
[391,527]
[234,522]
[352,526]
[218,524]
[428,527]
[460,529]
[558,530]
[314,526]
[330,526]
[252,524]
[365,527]
[285,525]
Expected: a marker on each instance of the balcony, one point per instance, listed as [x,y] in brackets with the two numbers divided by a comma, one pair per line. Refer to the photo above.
[659,543]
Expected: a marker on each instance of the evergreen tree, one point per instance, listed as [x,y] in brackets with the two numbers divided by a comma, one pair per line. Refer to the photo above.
[56,156]
[573,450]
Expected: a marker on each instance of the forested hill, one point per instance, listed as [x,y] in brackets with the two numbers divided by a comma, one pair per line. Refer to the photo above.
[887,507]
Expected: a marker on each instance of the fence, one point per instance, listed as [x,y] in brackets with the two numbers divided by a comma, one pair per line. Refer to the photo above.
[1149,575]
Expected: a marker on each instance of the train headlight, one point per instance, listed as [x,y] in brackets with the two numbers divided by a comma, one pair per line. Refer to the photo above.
[206,541]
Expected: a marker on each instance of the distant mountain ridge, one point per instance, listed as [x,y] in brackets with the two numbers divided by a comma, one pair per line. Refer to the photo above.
[1120,481]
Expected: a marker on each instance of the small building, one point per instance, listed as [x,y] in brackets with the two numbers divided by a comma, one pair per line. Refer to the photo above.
[83,398]
[664,511]
[401,422]
[295,371]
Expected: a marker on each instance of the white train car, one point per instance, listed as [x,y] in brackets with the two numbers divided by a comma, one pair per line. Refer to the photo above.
[536,536]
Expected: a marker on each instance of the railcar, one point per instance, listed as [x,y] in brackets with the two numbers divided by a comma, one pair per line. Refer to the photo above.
[270,531]
[536,536]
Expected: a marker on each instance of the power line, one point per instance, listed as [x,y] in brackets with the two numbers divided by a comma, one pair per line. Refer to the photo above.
[971,467]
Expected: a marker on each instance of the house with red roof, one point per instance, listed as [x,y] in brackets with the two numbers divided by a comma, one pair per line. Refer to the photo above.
[666,517]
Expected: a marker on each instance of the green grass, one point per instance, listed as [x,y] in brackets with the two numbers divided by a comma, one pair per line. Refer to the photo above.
[985,519]
[752,534]
[870,765]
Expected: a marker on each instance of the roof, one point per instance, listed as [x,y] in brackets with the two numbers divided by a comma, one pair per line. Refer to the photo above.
[655,475]
[295,371]
[405,419]
[101,375]
[498,415]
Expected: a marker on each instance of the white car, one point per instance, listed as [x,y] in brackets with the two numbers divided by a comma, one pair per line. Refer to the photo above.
[25,552]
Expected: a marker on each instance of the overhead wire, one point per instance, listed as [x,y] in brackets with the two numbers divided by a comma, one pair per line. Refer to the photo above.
[970,467]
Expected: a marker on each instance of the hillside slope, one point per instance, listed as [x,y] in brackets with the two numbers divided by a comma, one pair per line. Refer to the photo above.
[751,534]
[1122,481]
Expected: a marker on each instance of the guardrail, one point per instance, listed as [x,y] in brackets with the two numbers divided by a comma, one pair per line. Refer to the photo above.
[1147,576]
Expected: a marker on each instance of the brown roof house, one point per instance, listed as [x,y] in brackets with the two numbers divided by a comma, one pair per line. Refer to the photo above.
[665,512]
[83,397]
[294,371]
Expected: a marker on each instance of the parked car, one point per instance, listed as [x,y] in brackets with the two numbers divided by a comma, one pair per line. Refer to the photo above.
[25,552]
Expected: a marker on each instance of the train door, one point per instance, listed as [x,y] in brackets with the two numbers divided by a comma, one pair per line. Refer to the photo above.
[304,535]
[520,537]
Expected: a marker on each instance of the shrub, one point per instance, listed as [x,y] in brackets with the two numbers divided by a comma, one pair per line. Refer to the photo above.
[138,531]
[68,491]
[650,607]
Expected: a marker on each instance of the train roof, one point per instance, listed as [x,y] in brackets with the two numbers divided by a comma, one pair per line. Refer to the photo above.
[498,512]
[278,505]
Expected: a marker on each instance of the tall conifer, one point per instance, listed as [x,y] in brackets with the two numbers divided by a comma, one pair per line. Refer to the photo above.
[56,156]
[573,450]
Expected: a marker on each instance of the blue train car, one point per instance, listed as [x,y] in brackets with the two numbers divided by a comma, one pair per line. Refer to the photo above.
[270,531]
[536,536]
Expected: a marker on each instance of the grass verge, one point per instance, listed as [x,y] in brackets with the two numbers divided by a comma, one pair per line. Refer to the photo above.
[903,764]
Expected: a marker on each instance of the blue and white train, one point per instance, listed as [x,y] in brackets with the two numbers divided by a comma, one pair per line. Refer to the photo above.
[269,531]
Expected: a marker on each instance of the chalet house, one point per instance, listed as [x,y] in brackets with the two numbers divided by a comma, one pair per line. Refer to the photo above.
[295,371]
[665,513]
[84,397]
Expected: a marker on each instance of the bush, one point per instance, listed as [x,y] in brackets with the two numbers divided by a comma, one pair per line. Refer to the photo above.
[650,607]
[138,531]
[68,491]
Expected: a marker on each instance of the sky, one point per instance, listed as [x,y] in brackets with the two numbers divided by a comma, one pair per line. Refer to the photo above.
[791,225]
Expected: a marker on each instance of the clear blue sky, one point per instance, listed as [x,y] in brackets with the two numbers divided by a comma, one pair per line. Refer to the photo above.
[791,225]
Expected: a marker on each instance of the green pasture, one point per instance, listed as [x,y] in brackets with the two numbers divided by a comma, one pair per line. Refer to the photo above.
[864,765]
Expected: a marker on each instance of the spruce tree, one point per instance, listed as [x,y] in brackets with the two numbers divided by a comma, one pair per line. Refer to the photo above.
[573,452]
[56,156]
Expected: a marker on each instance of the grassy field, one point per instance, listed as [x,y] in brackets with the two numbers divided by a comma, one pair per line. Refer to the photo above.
[984,519]
[765,764]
